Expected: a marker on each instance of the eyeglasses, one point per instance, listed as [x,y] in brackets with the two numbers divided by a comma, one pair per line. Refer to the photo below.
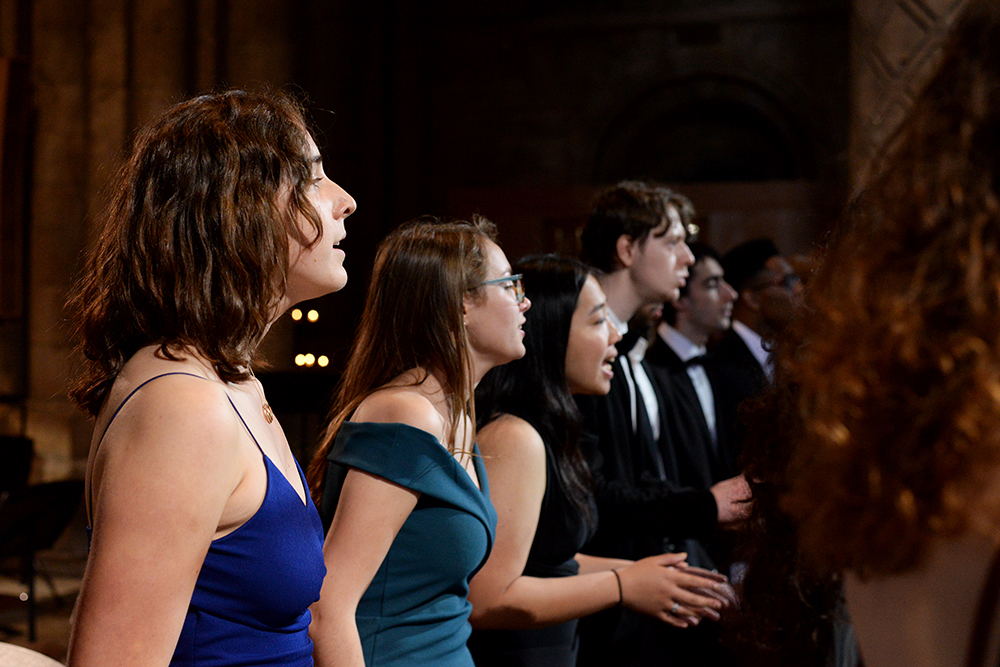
[515,282]
[787,281]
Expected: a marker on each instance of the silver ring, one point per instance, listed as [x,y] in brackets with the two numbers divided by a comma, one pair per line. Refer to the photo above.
[673,610]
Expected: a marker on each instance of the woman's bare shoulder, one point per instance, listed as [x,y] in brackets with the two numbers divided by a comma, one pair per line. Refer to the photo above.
[402,405]
[510,435]
[154,395]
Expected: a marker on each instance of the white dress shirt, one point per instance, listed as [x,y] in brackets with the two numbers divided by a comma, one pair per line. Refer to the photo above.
[642,382]
[756,345]
[685,350]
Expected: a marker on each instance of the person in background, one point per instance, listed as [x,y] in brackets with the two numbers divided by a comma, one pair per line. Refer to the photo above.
[526,599]
[686,375]
[205,549]
[701,453]
[399,479]
[743,358]
[635,236]
[770,293]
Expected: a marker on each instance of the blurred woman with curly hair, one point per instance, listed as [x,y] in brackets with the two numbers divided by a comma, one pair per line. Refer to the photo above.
[893,377]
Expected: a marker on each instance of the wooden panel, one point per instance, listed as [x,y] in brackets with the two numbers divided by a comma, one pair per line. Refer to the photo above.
[896,46]
[14,127]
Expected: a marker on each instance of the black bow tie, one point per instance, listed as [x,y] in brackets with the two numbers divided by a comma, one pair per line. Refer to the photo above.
[628,341]
[697,360]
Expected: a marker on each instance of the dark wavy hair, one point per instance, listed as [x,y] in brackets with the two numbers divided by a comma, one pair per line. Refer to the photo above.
[535,387]
[413,318]
[898,364]
[632,208]
[194,246]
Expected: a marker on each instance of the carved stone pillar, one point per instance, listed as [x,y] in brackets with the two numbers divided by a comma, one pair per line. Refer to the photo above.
[895,48]
[101,68]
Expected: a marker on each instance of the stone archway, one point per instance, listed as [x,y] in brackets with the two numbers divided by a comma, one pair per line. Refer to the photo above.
[707,128]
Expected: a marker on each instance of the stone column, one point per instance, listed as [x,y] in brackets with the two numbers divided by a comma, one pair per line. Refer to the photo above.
[895,48]
[100,69]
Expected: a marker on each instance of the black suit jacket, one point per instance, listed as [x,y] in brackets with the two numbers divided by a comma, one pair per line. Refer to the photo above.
[641,511]
[638,504]
[736,376]
[700,463]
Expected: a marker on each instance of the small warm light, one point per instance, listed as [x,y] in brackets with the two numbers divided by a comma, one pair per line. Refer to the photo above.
[300,360]
[296,314]
[23,597]
[312,315]
[310,359]
[323,361]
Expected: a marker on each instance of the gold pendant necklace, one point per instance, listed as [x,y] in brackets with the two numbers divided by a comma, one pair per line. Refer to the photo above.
[265,407]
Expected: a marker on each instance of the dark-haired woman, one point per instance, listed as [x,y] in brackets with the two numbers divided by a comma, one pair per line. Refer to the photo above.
[206,548]
[526,599]
[398,474]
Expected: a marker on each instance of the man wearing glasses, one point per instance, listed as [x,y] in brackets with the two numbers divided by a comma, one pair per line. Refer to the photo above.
[769,294]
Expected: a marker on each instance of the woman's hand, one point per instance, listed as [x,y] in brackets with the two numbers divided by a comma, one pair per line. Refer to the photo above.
[666,587]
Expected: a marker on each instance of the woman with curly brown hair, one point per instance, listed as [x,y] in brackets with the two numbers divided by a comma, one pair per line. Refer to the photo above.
[895,376]
[206,549]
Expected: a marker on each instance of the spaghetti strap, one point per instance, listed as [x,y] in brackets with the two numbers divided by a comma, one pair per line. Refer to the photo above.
[121,405]
[245,425]
[133,392]
[986,614]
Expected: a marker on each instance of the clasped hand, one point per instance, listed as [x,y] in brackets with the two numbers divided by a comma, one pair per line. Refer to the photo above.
[666,587]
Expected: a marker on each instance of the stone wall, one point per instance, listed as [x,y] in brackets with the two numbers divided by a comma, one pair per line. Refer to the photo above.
[99,69]
[895,47]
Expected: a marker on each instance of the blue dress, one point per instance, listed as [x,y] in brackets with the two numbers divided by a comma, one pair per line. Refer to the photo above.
[416,610]
[250,606]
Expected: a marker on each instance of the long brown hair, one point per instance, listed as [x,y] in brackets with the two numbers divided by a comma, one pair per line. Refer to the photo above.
[194,247]
[897,367]
[413,318]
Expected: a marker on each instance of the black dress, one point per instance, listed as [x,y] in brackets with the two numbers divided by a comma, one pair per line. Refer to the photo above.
[560,534]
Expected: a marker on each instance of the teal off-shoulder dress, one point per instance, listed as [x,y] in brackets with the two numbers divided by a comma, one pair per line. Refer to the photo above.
[416,610]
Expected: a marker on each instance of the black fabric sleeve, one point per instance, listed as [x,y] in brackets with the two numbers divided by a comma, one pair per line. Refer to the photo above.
[633,505]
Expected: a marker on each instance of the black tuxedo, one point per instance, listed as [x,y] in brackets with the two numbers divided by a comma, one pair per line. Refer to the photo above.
[638,504]
[737,376]
[700,462]
[641,512]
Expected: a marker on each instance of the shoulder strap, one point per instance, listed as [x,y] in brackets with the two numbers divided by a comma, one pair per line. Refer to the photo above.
[245,425]
[119,409]
[133,393]
[979,640]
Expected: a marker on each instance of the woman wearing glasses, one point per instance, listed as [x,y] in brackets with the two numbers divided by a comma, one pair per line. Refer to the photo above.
[527,598]
[398,477]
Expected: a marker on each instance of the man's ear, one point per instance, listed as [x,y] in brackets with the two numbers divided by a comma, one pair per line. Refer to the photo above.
[749,297]
[626,249]
[682,304]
